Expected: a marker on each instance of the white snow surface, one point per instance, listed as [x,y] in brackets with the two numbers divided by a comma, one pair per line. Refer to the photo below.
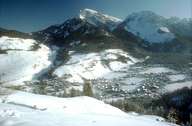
[157,70]
[97,19]
[178,85]
[164,29]
[20,63]
[177,77]
[148,26]
[7,43]
[94,65]
[25,109]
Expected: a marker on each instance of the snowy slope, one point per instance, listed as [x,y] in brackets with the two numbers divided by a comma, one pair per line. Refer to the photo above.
[25,109]
[22,59]
[86,23]
[95,65]
[97,19]
[178,85]
[7,43]
[148,26]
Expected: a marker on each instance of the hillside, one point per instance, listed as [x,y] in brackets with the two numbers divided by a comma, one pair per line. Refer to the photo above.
[25,109]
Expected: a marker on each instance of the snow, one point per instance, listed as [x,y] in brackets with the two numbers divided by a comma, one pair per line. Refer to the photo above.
[179,85]
[25,109]
[21,64]
[164,29]
[97,19]
[115,65]
[7,43]
[89,11]
[157,70]
[94,65]
[147,25]
[177,77]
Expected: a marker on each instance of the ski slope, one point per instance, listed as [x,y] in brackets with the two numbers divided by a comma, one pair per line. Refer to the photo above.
[25,109]
[22,59]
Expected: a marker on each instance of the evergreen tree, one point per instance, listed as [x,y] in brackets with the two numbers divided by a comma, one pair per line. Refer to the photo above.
[87,88]
[74,92]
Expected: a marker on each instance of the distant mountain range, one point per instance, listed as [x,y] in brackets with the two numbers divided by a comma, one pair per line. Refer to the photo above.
[144,29]
[139,59]
[99,47]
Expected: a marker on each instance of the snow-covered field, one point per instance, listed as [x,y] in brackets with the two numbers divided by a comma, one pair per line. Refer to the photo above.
[25,109]
[178,85]
[177,77]
[156,70]
[22,59]
[104,64]
[7,43]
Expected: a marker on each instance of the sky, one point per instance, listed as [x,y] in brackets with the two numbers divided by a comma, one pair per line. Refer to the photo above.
[34,15]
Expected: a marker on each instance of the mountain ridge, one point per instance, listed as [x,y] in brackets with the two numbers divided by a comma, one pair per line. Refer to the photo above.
[142,28]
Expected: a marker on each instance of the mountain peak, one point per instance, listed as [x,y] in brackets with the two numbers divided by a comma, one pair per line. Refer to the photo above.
[148,26]
[93,13]
[86,11]
[98,19]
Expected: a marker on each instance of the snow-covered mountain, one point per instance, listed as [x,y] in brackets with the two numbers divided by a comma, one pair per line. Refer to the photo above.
[113,55]
[89,23]
[22,59]
[63,31]
[88,37]
[99,19]
[149,26]
[25,109]
[145,30]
